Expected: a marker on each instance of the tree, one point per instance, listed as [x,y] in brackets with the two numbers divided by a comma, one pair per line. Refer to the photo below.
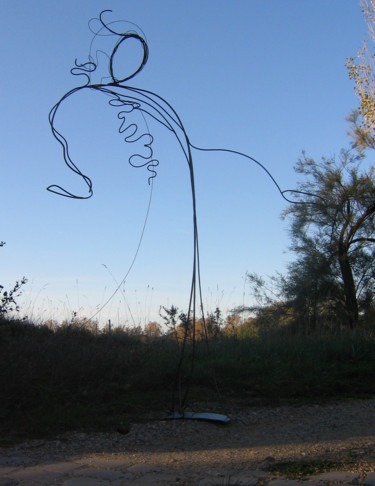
[153,329]
[231,324]
[206,327]
[333,233]
[170,318]
[212,324]
[361,70]
[272,312]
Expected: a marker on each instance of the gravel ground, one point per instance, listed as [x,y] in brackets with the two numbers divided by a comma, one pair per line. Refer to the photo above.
[256,438]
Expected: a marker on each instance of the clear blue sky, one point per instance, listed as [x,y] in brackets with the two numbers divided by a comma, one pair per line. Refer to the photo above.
[262,77]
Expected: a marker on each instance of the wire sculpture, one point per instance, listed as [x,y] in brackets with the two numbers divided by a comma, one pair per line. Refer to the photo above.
[131,100]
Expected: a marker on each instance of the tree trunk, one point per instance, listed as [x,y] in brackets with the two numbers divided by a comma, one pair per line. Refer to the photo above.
[349,287]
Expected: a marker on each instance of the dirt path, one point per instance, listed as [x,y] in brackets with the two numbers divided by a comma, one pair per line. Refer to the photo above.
[256,439]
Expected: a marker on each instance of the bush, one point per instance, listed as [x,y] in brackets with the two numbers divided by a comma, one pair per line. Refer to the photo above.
[71,378]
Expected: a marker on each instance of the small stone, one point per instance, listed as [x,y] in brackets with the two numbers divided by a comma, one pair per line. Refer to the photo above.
[124,429]
[269,459]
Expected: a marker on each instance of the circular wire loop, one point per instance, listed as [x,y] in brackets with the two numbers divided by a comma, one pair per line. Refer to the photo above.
[142,64]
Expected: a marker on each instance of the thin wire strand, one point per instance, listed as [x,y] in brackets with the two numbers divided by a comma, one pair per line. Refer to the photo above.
[132,262]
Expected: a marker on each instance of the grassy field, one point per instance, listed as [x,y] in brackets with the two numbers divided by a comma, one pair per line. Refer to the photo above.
[70,378]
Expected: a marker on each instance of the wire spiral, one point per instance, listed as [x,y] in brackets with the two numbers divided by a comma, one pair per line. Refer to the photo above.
[131,130]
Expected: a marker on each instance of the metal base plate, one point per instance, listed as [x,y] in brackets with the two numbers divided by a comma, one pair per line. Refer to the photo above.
[211,417]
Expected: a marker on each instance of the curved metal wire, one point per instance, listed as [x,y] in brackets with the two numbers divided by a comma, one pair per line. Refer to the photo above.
[132,100]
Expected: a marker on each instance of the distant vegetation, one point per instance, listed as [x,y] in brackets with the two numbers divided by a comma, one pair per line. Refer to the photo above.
[74,376]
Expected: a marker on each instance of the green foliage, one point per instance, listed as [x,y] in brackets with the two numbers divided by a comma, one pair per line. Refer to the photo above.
[333,236]
[362,138]
[8,303]
[331,283]
[250,329]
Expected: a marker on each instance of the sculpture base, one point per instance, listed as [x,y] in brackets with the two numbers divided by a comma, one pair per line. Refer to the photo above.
[210,417]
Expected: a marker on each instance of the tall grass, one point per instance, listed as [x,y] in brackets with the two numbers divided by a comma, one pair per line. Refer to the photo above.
[275,368]
[71,378]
